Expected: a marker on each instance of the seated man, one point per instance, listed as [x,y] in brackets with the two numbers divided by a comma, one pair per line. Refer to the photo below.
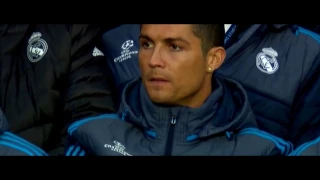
[177,107]
[277,64]
[12,145]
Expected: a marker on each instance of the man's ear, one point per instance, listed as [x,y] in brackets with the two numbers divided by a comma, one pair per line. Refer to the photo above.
[215,58]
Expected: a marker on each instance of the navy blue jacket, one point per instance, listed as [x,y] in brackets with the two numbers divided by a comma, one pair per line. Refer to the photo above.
[223,126]
[13,145]
[277,64]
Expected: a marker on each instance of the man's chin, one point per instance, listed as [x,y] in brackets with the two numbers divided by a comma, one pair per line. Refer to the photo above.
[160,99]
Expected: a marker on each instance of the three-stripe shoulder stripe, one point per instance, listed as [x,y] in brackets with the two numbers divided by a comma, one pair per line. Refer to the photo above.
[13,141]
[76,124]
[75,150]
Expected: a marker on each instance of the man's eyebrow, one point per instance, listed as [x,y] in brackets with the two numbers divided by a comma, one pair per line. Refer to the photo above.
[177,39]
[142,36]
[167,40]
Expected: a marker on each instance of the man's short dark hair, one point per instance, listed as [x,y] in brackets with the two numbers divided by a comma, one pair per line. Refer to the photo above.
[211,35]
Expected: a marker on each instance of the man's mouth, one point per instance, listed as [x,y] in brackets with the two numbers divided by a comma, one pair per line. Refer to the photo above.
[158,79]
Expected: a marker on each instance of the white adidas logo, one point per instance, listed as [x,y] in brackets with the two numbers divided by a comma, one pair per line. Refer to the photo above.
[97,52]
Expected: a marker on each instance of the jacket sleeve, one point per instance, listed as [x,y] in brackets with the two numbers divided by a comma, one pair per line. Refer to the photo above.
[87,86]
[13,145]
[306,112]
[310,148]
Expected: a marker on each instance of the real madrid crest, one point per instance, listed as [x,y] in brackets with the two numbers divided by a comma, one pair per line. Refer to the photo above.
[37,47]
[266,61]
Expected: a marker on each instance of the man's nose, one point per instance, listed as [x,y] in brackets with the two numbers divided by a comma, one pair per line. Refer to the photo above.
[156,59]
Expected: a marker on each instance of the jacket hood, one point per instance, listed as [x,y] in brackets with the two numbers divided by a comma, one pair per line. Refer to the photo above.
[226,110]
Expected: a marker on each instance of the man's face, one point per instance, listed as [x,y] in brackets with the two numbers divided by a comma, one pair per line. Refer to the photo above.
[172,63]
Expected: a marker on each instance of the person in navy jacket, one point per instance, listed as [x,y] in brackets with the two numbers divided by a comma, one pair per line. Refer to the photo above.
[277,64]
[178,107]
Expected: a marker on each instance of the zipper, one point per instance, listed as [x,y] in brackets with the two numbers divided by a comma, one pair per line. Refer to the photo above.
[169,144]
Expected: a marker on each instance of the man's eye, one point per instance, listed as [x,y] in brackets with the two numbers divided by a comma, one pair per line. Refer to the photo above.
[147,45]
[175,47]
